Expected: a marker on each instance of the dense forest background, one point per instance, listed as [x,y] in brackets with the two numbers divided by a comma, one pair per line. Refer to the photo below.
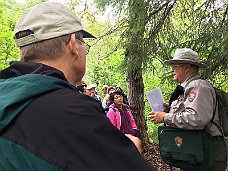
[134,37]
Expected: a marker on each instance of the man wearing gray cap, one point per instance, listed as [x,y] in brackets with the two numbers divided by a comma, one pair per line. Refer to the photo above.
[193,107]
[45,123]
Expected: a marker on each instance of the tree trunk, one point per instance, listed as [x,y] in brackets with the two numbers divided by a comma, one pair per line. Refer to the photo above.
[134,54]
[135,88]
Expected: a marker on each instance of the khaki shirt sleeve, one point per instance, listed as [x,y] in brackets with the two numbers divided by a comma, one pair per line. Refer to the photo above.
[194,109]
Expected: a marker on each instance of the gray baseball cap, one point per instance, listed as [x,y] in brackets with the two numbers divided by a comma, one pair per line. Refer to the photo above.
[48,20]
[185,56]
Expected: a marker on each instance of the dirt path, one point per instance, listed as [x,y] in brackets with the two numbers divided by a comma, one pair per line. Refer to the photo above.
[152,154]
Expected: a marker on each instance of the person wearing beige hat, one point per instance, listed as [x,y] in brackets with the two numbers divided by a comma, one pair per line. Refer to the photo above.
[193,103]
[90,90]
[46,124]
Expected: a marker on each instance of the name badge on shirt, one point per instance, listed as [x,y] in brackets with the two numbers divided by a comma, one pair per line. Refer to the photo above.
[191,96]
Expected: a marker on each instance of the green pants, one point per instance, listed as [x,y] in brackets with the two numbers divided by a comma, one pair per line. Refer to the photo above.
[220,156]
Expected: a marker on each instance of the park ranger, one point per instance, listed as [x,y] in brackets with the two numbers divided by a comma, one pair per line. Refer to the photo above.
[193,103]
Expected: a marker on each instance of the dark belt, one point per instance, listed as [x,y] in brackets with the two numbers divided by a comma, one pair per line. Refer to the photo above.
[216,138]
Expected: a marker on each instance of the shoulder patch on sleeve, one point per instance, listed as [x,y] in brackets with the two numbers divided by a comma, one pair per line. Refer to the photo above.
[191,96]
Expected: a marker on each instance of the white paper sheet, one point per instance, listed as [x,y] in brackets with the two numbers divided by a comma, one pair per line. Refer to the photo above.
[155,99]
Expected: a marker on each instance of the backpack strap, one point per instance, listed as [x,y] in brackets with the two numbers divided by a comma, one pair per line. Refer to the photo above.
[219,115]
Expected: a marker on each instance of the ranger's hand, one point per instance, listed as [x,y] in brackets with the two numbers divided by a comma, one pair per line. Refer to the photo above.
[156,117]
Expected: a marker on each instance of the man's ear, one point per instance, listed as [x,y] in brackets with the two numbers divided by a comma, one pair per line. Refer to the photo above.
[73,45]
[187,67]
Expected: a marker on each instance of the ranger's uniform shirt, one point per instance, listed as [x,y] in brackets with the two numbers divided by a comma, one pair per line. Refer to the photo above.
[194,109]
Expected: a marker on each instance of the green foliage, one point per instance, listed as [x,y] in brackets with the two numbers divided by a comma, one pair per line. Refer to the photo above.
[103,4]
[9,14]
[201,26]
[8,50]
[103,60]
[152,79]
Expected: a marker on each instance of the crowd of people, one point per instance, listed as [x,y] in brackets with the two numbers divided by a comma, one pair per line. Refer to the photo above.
[116,107]
[91,90]
[51,120]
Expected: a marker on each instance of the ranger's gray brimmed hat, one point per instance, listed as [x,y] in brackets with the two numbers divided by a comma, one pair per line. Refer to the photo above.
[48,20]
[184,56]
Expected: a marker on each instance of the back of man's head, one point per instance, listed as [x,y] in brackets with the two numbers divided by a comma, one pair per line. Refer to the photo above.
[45,29]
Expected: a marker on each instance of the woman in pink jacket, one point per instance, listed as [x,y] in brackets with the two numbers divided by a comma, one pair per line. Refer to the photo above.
[121,117]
